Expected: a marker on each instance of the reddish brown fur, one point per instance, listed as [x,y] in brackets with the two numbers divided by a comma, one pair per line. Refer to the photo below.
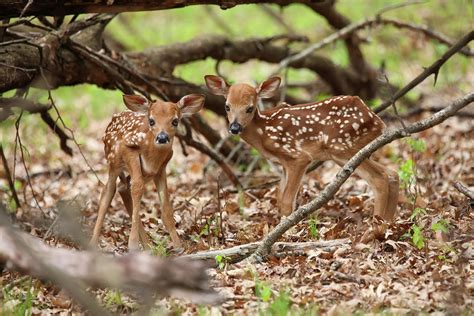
[131,144]
[295,136]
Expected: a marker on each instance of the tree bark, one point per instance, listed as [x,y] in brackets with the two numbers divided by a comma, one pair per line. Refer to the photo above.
[17,8]
[62,67]
[135,272]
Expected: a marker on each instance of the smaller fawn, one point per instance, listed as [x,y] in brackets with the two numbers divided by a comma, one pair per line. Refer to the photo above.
[140,142]
[294,136]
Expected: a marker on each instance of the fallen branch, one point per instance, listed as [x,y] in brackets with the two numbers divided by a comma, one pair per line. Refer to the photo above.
[134,272]
[328,192]
[464,190]
[279,249]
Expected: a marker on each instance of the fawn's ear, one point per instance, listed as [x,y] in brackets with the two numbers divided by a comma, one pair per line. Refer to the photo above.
[136,103]
[216,85]
[191,104]
[268,88]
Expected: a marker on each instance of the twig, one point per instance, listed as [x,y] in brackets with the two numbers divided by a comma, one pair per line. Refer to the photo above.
[18,141]
[395,6]
[351,28]
[118,80]
[12,42]
[328,192]
[277,18]
[17,22]
[464,190]
[63,137]
[440,37]
[188,139]
[73,137]
[131,72]
[217,18]
[11,184]
[433,69]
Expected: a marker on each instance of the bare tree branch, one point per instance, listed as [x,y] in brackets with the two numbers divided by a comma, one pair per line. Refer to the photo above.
[279,249]
[12,8]
[351,28]
[135,273]
[188,139]
[433,69]
[464,190]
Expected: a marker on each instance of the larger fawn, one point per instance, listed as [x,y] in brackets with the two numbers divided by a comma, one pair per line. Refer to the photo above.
[140,142]
[333,129]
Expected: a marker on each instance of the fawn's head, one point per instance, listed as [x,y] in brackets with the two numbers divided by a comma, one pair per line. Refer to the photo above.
[163,117]
[241,99]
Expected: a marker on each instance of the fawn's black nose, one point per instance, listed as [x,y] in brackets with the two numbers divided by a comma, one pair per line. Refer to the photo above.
[235,128]
[162,138]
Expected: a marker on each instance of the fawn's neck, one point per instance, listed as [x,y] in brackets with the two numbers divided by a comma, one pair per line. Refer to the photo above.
[253,133]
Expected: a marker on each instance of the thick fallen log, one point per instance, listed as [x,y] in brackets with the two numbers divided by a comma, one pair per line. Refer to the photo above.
[141,272]
[279,249]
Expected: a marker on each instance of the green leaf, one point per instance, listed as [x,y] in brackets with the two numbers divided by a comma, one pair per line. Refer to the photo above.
[313,228]
[417,145]
[417,237]
[441,225]
[418,211]
[281,305]
[407,173]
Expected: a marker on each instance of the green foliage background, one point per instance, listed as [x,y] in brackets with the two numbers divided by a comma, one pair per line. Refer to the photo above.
[404,53]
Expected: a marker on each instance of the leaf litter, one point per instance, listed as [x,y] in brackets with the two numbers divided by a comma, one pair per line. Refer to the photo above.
[384,276]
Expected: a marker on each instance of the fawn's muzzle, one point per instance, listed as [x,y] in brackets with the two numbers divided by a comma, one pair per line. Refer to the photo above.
[235,128]
[162,138]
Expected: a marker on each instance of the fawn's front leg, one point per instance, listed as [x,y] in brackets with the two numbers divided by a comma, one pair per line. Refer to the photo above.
[137,187]
[166,207]
[294,174]
[124,190]
[104,203]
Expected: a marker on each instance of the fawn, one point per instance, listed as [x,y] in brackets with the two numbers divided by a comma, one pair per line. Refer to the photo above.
[294,136]
[140,142]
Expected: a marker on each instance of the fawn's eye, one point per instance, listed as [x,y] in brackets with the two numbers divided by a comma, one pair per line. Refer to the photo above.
[151,121]
[250,109]
[175,122]
[227,108]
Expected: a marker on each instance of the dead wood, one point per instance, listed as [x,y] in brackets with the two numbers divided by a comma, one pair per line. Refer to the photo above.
[12,8]
[134,272]
[464,190]
[150,70]
[279,249]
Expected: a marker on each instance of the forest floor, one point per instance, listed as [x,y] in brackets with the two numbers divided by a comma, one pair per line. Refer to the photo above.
[425,265]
